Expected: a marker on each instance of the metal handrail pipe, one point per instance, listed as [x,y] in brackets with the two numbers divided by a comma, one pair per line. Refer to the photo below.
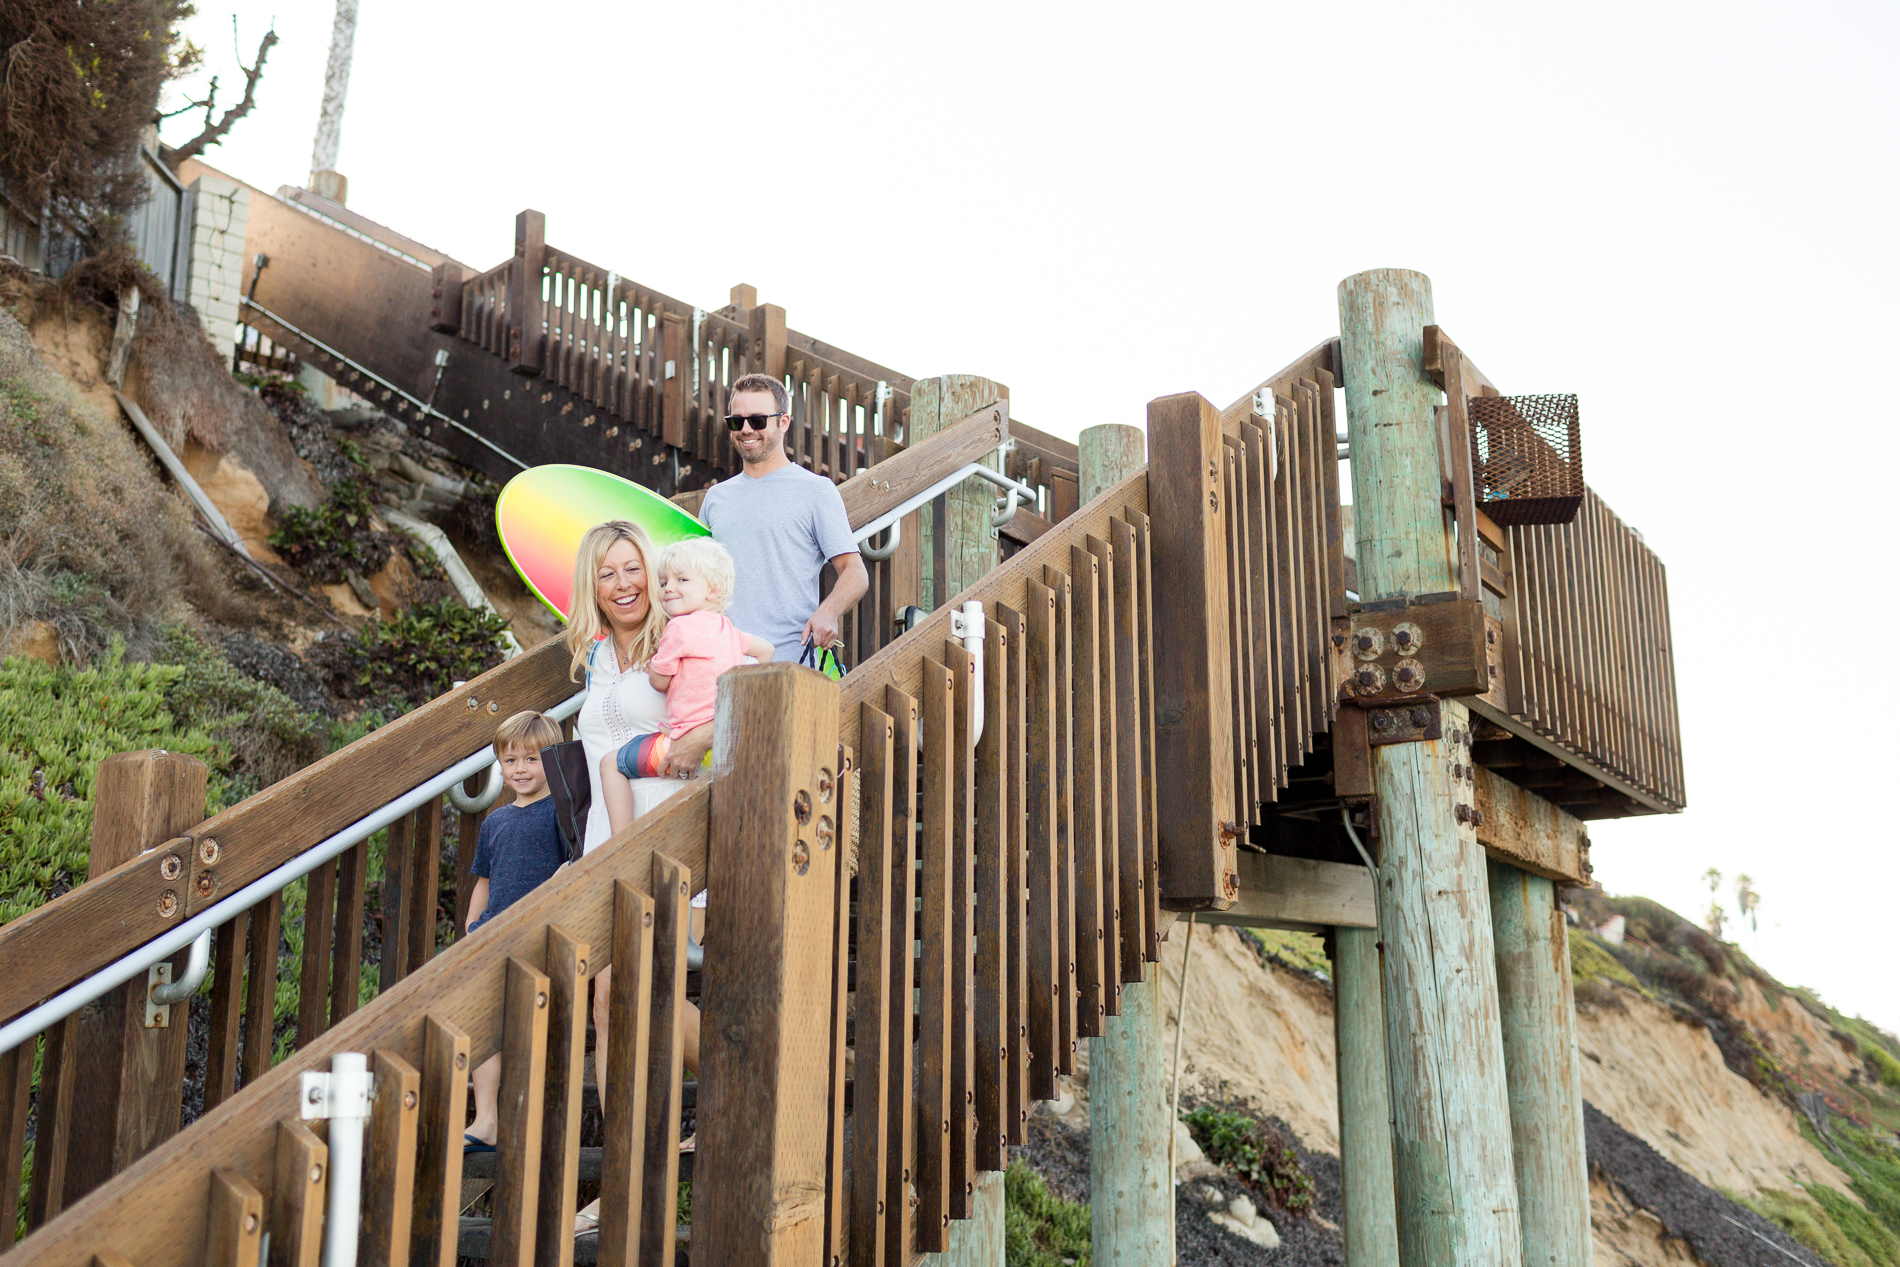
[942,486]
[74,997]
[178,991]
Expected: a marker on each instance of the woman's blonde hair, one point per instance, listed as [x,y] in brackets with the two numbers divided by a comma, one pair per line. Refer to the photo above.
[585,622]
[705,558]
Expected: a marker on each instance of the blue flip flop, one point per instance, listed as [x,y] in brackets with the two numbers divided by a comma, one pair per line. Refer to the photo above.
[472,1145]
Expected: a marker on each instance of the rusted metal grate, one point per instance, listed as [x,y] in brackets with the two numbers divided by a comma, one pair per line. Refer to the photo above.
[1526,457]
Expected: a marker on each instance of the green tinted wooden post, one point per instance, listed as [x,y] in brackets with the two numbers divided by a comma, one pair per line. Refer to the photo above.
[1457,1198]
[1131,1194]
[1541,1066]
[1365,1109]
[967,548]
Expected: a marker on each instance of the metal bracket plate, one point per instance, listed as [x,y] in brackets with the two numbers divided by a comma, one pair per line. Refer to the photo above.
[157,1015]
[1405,723]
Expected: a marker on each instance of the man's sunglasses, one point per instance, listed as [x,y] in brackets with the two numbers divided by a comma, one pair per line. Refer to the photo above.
[755,421]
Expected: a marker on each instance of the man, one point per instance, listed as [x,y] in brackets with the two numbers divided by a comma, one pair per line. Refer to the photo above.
[782,523]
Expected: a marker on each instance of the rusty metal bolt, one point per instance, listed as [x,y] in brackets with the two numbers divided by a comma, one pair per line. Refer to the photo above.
[646,919]
[461,1060]
[580,965]
[408,1099]
[250,1223]
[801,858]
[167,904]
[1365,642]
[170,867]
[1491,637]
[1366,678]
[1421,717]
[824,785]
[801,807]
[208,851]
[1477,818]
[1402,636]
[1382,721]
[825,831]
[1404,675]
[1459,813]
[316,1173]
[541,998]
[207,884]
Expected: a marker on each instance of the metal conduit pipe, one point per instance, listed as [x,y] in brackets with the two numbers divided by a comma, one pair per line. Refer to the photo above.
[74,997]
[186,986]
[1018,490]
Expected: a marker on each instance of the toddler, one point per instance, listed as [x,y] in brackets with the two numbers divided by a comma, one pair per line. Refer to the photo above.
[520,846]
[695,583]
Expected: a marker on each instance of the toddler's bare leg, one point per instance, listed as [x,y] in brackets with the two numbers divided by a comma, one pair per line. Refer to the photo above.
[616,791]
[487,1121]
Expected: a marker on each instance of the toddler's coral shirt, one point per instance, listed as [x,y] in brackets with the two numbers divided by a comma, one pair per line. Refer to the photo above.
[694,650]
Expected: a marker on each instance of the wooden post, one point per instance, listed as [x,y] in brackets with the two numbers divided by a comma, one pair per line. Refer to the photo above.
[765,1052]
[1194,800]
[968,549]
[1365,1110]
[525,337]
[1457,1201]
[130,1079]
[978,1241]
[767,323]
[1131,1195]
[1541,1068]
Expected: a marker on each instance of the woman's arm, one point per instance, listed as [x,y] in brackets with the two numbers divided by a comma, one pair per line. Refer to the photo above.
[659,681]
[758,648]
[477,902]
[682,760]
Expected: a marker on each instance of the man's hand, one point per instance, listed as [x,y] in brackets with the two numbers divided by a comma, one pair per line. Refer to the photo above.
[853,583]
[683,758]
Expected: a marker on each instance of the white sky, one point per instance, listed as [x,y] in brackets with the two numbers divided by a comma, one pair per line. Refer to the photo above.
[1684,213]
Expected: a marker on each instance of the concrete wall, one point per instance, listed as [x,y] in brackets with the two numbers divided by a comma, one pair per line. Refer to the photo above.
[218,264]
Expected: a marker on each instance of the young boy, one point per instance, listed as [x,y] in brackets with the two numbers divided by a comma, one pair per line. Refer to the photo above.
[520,846]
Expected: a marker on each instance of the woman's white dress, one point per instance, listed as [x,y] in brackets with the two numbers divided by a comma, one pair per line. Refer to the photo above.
[619,706]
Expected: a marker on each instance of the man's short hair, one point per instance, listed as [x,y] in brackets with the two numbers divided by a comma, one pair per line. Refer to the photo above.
[705,558]
[527,729]
[763,383]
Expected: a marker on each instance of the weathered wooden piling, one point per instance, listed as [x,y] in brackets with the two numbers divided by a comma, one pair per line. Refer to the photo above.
[1541,1068]
[1457,1200]
[1365,1109]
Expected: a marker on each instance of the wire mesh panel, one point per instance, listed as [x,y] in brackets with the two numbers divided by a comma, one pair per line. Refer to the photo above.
[1527,458]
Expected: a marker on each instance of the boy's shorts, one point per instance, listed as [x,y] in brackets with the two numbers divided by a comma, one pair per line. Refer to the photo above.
[644,756]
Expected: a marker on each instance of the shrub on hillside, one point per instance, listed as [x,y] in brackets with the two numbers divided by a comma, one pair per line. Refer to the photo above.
[267,735]
[1260,1153]
[1040,1229]
[399,664]
[337,537]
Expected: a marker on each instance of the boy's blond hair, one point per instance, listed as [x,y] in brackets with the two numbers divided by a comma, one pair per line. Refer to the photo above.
[527,729]
[705,558]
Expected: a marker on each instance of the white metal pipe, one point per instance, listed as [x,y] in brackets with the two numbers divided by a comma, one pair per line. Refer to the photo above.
[973,630]
[70,1000]
[348,1110]
[482,800]
[186,986]
[942,486]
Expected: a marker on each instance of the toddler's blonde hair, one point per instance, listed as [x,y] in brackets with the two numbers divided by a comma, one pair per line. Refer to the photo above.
[705,558]
[527,729]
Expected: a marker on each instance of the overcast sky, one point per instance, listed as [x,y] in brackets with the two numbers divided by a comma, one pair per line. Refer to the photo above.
[1685,214]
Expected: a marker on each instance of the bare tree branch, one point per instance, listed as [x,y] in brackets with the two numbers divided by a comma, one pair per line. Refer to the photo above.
[215,132]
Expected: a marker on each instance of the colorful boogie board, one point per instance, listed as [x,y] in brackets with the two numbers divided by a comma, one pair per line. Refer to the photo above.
[545,511]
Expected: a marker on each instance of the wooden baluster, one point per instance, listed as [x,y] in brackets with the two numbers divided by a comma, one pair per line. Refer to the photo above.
[1106,763]
[398,879]
[16,1105]
[1150,836]
[389,1162]
[674,388]
[468,829]
[425,856]
[901,1173]
[666,1053]
[872,1109]
[936,813]
[260,987]
[623,1083]
[834,798]
[234,1221]
[991,1002]
[59,1068]
[1269,756]
[302,1164]
[439,1142]
[319,920]
[524,1053]
[1292,582]
[1130,814]
[561,1098]
[227,1010]
[346,977]
[1086,802]
[1239,644]
[1043,934]
[962,664]
[1015,880]
[1318,584]
[1063,738]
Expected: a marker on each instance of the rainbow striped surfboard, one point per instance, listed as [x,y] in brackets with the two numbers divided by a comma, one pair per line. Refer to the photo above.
[545,511]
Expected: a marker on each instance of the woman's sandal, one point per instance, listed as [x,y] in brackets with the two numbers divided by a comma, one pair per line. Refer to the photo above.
[472,1145]
[587,1224]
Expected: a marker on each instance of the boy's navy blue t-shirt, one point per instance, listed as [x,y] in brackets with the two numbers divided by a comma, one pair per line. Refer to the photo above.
[519,847]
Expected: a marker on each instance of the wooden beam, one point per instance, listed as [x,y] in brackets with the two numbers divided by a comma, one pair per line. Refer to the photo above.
[1529,832]
[1299,894]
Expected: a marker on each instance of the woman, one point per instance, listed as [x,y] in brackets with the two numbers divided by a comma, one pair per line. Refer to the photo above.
[611,639]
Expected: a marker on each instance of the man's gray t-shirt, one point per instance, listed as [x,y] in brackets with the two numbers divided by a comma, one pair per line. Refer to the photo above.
[781,529]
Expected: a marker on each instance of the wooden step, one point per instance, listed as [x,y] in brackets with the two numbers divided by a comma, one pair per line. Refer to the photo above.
[472,1242]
